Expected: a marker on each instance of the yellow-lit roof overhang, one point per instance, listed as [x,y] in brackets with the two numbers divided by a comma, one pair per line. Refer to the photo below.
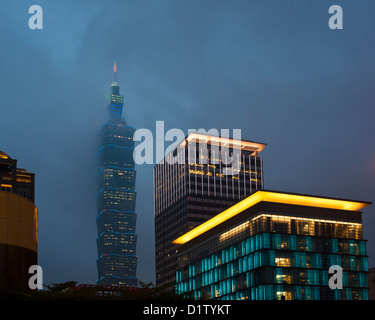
[3,155]
[270,196]
[237,144]
[229,142]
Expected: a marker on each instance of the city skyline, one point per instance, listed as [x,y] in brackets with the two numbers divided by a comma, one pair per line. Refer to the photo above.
[274,70]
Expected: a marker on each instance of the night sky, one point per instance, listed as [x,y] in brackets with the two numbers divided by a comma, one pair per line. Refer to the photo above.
[271,68]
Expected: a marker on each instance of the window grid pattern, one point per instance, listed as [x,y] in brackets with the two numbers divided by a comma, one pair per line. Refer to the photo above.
[176,177]
[277,257]
[116,201]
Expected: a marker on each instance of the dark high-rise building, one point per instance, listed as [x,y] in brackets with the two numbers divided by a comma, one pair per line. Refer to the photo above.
[116,198]
[195,187]
[18,224]
[276,246]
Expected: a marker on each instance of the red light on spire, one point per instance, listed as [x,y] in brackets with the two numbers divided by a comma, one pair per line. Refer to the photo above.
[114,74]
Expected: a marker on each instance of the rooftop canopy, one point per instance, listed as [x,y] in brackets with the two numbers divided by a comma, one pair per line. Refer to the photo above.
[275,197]
[224,142]
[3,155]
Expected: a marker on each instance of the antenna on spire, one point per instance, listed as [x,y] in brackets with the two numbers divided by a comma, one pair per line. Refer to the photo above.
[114,74]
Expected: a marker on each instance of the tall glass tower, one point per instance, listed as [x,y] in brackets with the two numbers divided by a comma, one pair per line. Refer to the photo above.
[188,193]
[116,198]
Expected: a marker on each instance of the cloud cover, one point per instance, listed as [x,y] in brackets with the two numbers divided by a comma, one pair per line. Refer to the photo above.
[272,68]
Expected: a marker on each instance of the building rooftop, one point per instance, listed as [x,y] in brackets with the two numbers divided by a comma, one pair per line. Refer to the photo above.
[224,142]
[3,155]
[275,197]
[208,139]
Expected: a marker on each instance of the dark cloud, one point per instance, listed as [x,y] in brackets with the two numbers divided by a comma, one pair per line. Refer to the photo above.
[272,68]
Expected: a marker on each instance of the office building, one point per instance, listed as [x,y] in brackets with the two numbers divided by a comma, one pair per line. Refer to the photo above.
[116,198]
[18,225]
[276,246]
[192,184]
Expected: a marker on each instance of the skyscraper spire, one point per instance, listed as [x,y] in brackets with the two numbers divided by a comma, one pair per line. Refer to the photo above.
[114,74]
[116,101]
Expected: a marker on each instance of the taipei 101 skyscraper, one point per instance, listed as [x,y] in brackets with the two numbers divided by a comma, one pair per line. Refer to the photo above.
[116,198]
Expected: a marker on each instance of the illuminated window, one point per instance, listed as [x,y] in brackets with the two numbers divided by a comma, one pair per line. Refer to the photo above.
[6,187]
[282,262]
[283,278]
[23,178]
[284,295]
[236,230]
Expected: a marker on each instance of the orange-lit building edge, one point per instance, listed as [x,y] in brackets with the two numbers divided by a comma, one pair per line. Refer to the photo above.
[276,197]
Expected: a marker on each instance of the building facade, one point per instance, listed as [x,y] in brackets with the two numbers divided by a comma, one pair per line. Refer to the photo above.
[276,246]
[116,198]
[18,225]
[193,183]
